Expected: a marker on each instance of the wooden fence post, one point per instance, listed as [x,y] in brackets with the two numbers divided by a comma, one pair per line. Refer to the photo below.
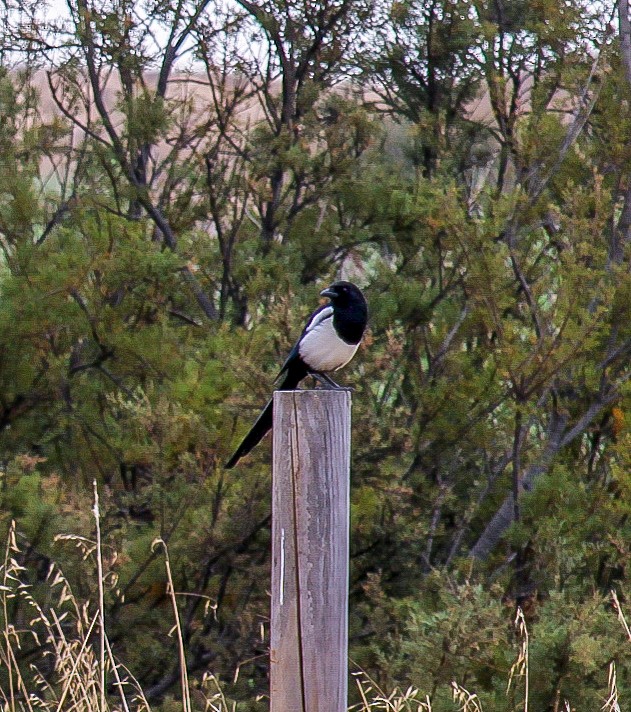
[310,546]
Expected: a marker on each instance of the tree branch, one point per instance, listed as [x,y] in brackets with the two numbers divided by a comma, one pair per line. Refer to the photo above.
[558,438]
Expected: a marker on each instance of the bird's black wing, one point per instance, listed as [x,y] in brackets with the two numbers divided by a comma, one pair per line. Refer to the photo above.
[293,360]
[292,371]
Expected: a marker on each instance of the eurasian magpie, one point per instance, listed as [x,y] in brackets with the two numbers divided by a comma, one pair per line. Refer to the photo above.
[327,343]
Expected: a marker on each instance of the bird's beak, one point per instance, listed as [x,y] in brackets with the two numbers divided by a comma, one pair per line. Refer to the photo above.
[328,292]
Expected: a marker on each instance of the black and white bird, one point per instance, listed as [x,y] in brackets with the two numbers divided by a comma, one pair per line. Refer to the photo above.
[327,343]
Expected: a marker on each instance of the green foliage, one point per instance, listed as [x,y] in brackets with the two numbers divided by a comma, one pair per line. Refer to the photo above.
[465,633]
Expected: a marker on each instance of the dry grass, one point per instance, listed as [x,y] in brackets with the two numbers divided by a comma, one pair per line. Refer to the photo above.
[466,701]
[373,698]
[76,670]
[611,704]
[520,667]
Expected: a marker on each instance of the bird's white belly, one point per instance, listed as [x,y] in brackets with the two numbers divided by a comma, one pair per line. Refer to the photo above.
[323,350]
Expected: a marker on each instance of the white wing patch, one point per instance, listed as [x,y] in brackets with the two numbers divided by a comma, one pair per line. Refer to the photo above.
[321,348]
[319,317]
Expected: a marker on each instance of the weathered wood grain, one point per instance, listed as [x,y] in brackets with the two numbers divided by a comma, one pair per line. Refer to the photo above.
[310,543]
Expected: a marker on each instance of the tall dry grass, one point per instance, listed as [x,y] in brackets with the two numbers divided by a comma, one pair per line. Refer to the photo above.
[74,668]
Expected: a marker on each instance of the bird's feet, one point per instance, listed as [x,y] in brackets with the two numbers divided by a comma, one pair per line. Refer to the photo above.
[327,383]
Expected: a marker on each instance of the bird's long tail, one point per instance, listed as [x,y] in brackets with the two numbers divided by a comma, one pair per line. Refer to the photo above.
[257,432]
[263,423]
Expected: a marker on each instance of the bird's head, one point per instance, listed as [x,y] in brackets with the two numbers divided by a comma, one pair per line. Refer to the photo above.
[343,294]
